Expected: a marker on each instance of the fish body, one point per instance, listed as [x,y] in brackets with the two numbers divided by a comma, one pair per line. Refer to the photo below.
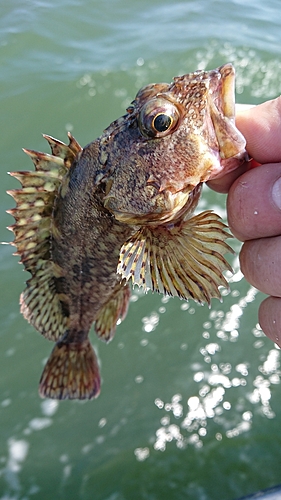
[91,221]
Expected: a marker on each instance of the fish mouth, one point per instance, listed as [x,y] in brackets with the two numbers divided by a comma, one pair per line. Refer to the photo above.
[179,207]
[222,112]
[222,89]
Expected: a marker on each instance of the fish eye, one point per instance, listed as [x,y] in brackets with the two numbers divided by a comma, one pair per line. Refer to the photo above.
[162,122]
[158,118]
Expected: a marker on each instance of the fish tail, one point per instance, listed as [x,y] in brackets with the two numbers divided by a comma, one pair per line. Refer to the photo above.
[71,372]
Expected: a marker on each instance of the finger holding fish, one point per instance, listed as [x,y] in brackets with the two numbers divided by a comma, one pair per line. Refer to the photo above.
[254,207]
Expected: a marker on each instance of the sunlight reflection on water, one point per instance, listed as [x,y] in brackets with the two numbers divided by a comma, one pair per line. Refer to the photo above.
[218,409]
[194,416]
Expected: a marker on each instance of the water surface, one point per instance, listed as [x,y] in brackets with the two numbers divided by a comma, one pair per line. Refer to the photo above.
[190,404]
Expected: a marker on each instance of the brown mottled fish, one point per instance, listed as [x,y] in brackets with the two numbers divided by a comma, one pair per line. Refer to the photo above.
[90,221]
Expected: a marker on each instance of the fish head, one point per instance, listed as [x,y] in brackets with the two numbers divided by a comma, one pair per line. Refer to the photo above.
[173,138]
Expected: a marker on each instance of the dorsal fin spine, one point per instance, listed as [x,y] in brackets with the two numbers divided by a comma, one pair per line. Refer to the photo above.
[33,230]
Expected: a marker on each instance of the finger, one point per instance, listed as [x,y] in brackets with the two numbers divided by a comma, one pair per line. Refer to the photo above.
[270,318]
[260,262]
[242,107]
[222,185]
[254,203]
[261,127]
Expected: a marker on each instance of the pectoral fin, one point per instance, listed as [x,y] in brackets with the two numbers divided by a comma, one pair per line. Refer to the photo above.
[185,261]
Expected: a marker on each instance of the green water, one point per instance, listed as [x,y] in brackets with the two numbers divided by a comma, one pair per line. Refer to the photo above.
[190,403]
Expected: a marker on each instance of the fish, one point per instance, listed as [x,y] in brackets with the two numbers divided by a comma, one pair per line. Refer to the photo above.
[93,222]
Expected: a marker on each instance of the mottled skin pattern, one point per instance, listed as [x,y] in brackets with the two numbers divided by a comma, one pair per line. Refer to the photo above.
[87,235]
[120,210]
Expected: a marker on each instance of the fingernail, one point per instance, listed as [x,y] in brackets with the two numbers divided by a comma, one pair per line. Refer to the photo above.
[276,193]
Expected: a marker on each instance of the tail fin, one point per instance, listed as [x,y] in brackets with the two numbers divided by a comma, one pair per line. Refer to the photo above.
[71,372]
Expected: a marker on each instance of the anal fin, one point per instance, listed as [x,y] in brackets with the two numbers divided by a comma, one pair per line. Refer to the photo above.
[115,309]
[71,372]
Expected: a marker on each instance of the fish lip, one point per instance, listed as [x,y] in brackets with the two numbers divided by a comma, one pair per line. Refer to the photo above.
[222,89]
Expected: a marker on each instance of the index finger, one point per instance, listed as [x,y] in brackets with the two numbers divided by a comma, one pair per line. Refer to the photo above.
[260,126]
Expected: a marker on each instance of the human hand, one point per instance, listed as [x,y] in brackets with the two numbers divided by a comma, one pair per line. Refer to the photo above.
[254,208]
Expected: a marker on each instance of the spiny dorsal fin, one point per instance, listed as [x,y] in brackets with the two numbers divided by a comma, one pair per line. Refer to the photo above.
[67,152]
[186,261]
[41,305]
